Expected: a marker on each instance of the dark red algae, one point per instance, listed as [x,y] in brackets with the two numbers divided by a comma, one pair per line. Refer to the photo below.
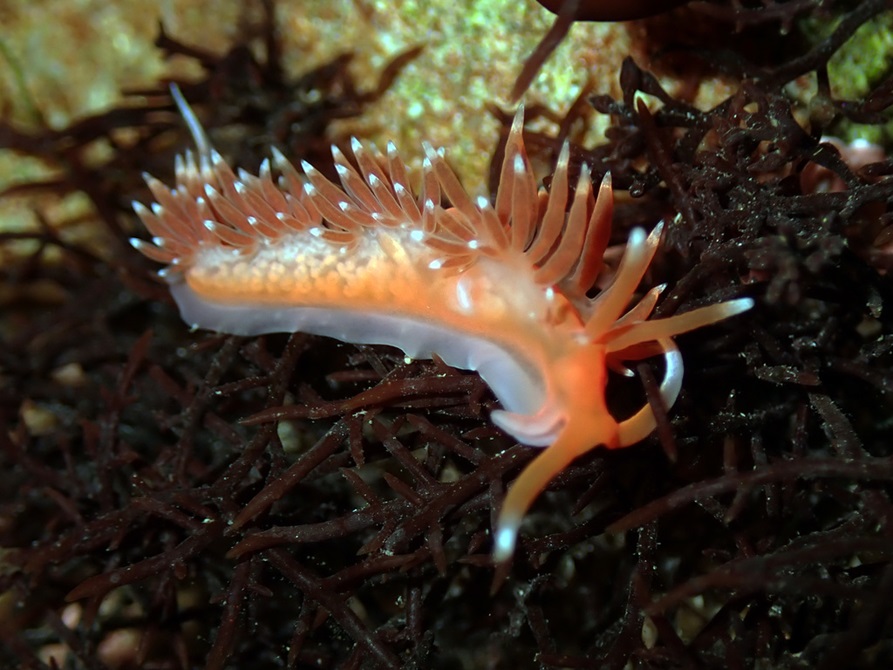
[611,10]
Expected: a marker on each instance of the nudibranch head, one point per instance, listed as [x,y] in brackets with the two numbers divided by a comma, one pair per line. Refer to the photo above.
[498,287]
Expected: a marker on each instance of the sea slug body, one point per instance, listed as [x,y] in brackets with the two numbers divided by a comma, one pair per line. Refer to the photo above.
[500,288]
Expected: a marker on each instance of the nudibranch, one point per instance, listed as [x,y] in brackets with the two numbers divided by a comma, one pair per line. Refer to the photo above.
[498,287]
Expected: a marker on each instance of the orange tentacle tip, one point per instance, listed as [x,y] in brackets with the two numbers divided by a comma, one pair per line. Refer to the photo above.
[500,287]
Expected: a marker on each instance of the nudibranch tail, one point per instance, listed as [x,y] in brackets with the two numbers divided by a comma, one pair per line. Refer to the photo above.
[497,287]
[199,136]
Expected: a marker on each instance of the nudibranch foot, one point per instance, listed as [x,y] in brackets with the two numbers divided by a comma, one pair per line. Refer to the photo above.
[497,286]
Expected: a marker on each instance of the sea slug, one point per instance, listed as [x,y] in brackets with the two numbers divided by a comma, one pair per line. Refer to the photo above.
[498,287]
